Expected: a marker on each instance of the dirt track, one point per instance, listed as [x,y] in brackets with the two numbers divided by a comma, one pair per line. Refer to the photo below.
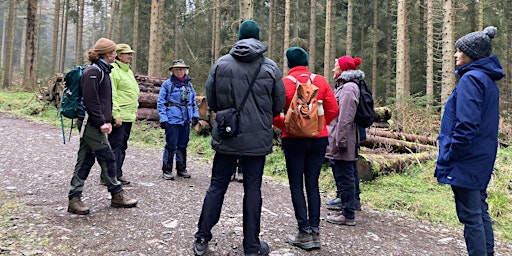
[35,168]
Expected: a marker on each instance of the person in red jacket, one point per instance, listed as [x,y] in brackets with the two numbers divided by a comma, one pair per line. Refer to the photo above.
[304,156]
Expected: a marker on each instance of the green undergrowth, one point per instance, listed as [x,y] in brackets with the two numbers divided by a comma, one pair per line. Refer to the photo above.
[414,191]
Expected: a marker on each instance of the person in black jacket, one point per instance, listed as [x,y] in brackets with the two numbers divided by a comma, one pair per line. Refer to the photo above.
[96,91]
[227,83]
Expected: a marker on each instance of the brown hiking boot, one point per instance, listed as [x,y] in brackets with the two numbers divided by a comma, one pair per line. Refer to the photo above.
[120,200]
[339,219]
[76,206]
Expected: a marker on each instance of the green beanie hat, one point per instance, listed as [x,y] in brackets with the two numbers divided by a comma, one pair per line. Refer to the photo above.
[249,29]
[296,57]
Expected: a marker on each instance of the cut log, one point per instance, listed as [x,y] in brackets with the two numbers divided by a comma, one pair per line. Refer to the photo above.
[371,165]
[401,136]
[202,105]
[149,114]
[148,100]
[157,81]
[202,128]
[383,114]
[394,145]
[149,88]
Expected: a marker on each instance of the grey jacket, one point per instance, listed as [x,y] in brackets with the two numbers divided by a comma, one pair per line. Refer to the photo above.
[226,86]
[343,132]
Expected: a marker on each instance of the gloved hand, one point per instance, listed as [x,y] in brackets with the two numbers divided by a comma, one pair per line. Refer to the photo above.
[163,125]
[118,122]
[195,120]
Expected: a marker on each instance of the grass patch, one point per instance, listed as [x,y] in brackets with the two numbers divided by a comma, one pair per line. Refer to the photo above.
[415,191]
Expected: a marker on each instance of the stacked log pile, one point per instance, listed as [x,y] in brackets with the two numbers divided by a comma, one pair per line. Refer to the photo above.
[385,151]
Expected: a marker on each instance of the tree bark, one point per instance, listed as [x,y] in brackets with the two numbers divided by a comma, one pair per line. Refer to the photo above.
[375,48]
[350,24]
[79,34]
[328,31]
[112,16]
[64,35]
[286,38]
[401,136]
[29,78]
[394,145]
[10,45]
[448,79]
[135,35]
[400,49]
[155,46]
[119,22]
[312,36]
[55,36]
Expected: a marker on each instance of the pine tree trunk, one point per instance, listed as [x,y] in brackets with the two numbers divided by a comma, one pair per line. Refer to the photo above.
[111,21]
[312,36]
[246,10]
[448,79]
[350,24]
[286,38]
[55,37]
[400,49]
[29,78]
[430,54]
[135,35]
[119,22]
[272,42]
[10,45]
[375,48]
[328,31]
[217,31]
[64,34]
[79,34]
[155,46]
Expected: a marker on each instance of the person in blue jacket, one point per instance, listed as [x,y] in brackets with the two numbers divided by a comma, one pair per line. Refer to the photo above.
[178,110]
[468,138]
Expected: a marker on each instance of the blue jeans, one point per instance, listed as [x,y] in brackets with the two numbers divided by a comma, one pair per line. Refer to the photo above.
[176,138]
[472,211]
[223,168]
[344,175]
[304,159]
[118,140]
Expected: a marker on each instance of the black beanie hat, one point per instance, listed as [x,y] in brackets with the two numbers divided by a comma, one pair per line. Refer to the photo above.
[296,57]
[477,45]
[249,29]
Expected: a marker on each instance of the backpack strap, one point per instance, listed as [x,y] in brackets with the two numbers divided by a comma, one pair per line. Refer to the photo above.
[101,71]
[311,78]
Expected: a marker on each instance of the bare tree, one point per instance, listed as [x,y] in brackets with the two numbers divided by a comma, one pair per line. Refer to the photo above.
[246,10]
[135,37]
[312,35]
[155,44]
[286,37]
[350,25]
[64,33]
[374,47]
[119,22]
[216,31]
[272,28]
[111,21]
[448,79]
[29,77]
[10,45]
[430,53]
[328,31]
[79,34]
[55,37]
[400,49]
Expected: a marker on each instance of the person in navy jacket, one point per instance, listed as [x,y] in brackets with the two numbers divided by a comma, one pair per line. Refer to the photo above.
[468,138]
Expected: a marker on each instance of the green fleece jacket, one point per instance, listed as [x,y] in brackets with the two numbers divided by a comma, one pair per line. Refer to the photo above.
[125,92]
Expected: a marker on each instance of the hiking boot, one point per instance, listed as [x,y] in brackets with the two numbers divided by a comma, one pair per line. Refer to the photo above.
[120,200]
[76,206]
[302,240]
[167,176]
[264,250]
[123,180]
[200,246]
[357,205]
[184,174]
[316,240]
[340,220]
[240,177]
[334,204]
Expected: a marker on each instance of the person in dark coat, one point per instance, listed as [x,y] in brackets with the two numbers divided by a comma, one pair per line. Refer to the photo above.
[226,86]
[96,91]
[468,137]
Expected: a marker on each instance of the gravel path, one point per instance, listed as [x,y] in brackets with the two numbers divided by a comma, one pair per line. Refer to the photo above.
[35,170]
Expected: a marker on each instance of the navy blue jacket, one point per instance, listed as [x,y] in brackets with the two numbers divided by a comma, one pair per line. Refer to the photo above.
[226,85]
[468,138]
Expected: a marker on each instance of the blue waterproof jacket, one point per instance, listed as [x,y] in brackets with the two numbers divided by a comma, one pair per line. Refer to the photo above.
[468,138]
[179,105]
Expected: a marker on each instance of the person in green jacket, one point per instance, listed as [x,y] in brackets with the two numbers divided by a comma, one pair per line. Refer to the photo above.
[125,100]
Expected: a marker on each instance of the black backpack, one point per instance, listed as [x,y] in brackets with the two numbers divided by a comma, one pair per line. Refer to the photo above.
[365,115]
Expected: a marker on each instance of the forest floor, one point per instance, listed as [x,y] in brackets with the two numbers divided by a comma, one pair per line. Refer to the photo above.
[36,168]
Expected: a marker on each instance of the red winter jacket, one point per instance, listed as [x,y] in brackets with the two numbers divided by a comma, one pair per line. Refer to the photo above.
[325,93]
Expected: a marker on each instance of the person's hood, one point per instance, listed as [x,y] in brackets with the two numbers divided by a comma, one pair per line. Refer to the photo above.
[248,50]
[490,66]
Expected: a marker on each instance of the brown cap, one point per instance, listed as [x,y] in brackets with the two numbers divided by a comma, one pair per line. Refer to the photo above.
[104,45]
